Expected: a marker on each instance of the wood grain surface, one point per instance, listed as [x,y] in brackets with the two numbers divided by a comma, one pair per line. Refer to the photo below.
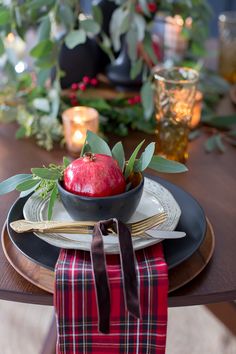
[211,180]
[44,278]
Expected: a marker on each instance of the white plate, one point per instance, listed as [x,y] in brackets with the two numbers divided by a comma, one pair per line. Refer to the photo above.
[155,199]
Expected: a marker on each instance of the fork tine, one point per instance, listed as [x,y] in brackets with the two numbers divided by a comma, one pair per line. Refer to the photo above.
[140,222]
[151,219]
[149,226]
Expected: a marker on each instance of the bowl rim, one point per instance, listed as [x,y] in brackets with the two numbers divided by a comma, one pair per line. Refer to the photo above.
[111,197]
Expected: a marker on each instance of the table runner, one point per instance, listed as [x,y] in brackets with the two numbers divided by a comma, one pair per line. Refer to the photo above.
[76,308]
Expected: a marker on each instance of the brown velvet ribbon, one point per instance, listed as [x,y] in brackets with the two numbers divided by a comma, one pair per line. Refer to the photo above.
[129,277]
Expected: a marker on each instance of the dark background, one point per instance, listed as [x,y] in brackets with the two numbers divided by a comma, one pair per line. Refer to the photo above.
[217,6]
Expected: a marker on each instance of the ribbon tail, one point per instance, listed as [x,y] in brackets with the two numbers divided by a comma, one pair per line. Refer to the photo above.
[130,282]
[101,280]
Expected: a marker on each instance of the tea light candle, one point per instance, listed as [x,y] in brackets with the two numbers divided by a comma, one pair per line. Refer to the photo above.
[175,44]
[76,122]
[197,110]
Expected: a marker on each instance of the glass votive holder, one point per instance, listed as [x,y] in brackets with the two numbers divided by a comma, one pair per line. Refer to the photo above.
[197,110]
[175,91]
[76,122]
[227,46]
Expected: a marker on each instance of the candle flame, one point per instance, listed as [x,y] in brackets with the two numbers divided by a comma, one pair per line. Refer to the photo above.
[10,37]
[77,136]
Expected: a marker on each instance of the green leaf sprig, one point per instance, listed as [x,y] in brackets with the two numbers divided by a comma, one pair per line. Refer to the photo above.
[44,179]
[147,159]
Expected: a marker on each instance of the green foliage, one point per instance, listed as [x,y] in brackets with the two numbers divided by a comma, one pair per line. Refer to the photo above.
[119,155]
[10,184]
[128,26]
[97,144]
[147,99]
[75,38]
[130,164]
[145,158]
[163,165]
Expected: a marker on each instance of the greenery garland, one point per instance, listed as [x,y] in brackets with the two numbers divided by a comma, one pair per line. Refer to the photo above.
[36,103]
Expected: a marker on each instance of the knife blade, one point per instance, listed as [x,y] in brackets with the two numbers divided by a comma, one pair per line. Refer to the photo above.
[165,234]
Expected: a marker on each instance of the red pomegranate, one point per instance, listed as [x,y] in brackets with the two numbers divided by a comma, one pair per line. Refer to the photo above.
[94,175]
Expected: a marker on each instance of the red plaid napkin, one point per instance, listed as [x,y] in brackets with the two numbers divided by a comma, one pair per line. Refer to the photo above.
[76,307]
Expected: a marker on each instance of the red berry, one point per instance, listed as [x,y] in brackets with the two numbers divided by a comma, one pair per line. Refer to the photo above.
[74,86]
[82,86]
[130,101]
[74,102]
[94,175]
[137,99]
[94,82]
[152,7]
[72,95]
[86,80]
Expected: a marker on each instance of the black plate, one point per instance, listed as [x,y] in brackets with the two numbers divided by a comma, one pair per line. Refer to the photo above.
[192,221]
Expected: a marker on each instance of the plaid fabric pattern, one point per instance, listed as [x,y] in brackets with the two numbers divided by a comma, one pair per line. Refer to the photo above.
[76,308]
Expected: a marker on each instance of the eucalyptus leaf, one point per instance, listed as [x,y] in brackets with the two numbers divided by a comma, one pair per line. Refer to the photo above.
[119,154]
[86,148]
[160,164]
[117,27]
[97,14]
[66,15]
[10,184]
[46,173]
[148,46]
[28,184]
[90,26]
[52,200]
[75,38]
[21,132]
[210,144]
[27,192]
[5,16]
[219,143]
[222,121]
[130,165]
[44,29]
[136,68]
[97,144]
[132,41]
[66,161]
[194,134]
[42,76]
[41,104]
[147,97]
[144,7]
[42,48]
[38,4]
[145,159]
[140,25]
[2,49]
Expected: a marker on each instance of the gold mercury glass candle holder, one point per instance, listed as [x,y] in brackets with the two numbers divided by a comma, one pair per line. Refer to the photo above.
[175,91]
[227,46]
[76,122]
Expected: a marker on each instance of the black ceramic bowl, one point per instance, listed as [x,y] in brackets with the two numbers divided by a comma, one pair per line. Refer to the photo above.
[121,206]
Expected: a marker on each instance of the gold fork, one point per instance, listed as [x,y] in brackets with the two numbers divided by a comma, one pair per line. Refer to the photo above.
[83,227]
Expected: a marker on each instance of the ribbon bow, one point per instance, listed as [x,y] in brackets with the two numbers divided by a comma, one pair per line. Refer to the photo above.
[129,277]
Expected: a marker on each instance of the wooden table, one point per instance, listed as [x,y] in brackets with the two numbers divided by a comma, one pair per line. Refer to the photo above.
[211,180]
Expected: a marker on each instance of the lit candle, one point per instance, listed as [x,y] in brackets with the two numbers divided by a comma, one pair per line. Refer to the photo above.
[175,44]
[197,110]
[76,122]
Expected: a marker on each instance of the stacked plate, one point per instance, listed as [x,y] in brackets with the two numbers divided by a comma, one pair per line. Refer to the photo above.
[183,213]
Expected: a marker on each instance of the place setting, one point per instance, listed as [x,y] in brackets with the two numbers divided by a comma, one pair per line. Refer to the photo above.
[118,151]
[154,210]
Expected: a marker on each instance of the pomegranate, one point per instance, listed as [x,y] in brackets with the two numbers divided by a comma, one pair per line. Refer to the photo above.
[94,175]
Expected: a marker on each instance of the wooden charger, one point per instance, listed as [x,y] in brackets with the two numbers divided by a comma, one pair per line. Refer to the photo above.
[44,277]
